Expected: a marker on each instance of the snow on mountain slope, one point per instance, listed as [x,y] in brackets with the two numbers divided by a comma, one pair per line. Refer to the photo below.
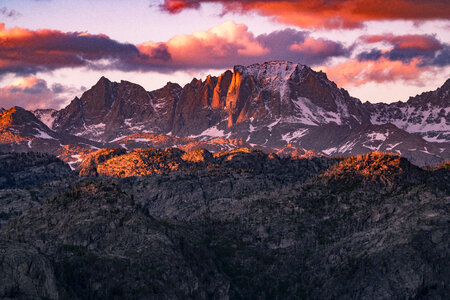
[427,114]
[47,116]
[22,131]
[268,105]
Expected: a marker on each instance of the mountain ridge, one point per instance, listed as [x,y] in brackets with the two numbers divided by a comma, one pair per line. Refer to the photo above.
[267,105]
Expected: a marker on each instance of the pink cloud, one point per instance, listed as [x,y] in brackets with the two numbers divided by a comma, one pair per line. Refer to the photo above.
[355,73]
[409,41]
[25,52]
[328,14]
[215,47]
[32,93]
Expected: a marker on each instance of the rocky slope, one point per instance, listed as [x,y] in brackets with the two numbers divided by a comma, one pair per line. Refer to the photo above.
[144,162]
[267,105]
[22,131]
[237,224]
[29,179]
[427,114]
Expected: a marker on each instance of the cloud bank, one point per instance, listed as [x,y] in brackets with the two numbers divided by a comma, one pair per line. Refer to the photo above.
[32,93]
[376,58]
[26,52]
[327,13]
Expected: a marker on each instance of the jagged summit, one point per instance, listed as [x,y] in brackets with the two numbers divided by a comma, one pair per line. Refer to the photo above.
[22,131]
[267,105]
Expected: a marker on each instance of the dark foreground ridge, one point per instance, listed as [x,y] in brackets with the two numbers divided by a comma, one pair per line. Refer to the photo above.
[230,225]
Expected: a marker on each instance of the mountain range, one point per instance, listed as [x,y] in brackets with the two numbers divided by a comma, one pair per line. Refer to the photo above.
[242,186]
[277,106]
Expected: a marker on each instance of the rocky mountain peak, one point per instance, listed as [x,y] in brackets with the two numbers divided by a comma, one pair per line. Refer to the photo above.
[268,105]
[15,116]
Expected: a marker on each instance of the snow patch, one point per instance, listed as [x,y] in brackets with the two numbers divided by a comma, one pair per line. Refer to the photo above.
[392,146]
[77,159]
[425,150]
[46,117]
[413,119]
[371,148]
[377,136]
[212,132]
[118,139]
[348,146]
[270,126]
[288,137]
[435,139]
[310,114]
[329,151]
[43,135]
[141,140]
[95,130]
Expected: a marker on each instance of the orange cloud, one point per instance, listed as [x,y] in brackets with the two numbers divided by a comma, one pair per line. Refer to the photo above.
[25,52]
[356,73]
[315,47]
[214,47]
[330,13]
[176,6]
[409,41]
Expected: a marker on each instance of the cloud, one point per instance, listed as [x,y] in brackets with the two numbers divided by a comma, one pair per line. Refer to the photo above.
[230,44]
[355,72]
[329,13]
[405,48]
[33,93]
[23,51]
[176,6]
[9,13]
[27,52]
[408,58]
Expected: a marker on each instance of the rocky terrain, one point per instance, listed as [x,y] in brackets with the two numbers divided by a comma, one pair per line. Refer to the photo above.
[266,182]
[234,224]
[268,106]
[27,180]
[22,131]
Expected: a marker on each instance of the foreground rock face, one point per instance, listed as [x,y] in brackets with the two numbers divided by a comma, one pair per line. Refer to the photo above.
[108,248]
[238,224]
[25,272]
[29,169]
[27,180]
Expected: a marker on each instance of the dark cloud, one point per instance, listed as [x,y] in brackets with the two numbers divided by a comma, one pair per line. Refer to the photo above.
[26,52]
[293,45]
[327,13]
[443,57]
[373,54]
[31,93]
[9,13]
[405,48]
[58,88]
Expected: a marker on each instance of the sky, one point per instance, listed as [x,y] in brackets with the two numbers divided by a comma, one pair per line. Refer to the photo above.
[380,51]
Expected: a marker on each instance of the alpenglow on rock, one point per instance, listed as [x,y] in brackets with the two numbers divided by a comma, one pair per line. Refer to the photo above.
[268,105]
